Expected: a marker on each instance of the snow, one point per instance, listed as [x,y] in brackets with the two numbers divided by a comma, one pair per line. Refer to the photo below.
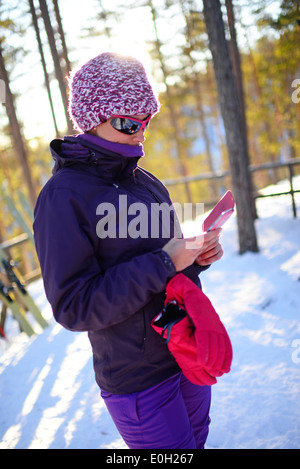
[49,398]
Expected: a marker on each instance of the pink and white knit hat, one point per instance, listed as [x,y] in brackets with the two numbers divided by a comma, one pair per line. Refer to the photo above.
[109,84]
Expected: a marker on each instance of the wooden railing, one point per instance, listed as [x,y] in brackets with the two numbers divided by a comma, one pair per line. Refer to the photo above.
[219,175]
[33,274]
[8,246]
[21,297]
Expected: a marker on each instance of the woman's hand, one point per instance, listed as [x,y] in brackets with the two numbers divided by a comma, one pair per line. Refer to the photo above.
[203,249]
[210,256]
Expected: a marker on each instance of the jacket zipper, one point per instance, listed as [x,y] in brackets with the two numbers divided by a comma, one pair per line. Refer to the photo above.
[144,326]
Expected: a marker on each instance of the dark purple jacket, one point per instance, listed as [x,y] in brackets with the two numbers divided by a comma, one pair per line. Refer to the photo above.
[110,287]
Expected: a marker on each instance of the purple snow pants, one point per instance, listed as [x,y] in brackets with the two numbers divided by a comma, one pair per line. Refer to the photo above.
[171,415]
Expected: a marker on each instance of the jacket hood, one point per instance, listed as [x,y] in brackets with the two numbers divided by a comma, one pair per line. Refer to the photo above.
[106,159]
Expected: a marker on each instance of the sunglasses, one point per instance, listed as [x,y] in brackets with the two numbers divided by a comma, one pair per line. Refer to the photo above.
[128,125]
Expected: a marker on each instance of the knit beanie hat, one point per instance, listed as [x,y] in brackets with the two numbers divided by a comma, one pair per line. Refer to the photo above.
[109,84]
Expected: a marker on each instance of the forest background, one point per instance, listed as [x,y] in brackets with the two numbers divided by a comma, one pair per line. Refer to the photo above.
[187,137]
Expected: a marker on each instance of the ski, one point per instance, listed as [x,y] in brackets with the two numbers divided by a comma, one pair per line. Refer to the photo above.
[20,290]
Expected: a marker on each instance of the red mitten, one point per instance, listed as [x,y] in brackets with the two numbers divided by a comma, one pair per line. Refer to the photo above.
[184,349]
[213,346]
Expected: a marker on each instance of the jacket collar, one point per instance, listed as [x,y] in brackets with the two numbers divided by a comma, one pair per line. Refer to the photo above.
[107,160]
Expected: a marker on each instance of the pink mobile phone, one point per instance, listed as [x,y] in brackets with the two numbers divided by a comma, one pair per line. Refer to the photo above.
[220,213]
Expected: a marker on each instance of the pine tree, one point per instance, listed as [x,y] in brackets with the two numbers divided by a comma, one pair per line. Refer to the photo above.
[15,130]
[43,62]
[230,108]
[56,61]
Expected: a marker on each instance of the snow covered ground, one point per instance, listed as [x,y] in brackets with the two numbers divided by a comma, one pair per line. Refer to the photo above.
[48,397]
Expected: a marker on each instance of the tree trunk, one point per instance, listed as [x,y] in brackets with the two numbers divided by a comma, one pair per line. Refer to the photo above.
[62,37]
[237,73]
[46,76]
[236,63]
[229,104]
[17,138]
[6,172]
[56,61]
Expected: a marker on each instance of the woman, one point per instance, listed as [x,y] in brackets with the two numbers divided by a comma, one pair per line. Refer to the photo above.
[105,270]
